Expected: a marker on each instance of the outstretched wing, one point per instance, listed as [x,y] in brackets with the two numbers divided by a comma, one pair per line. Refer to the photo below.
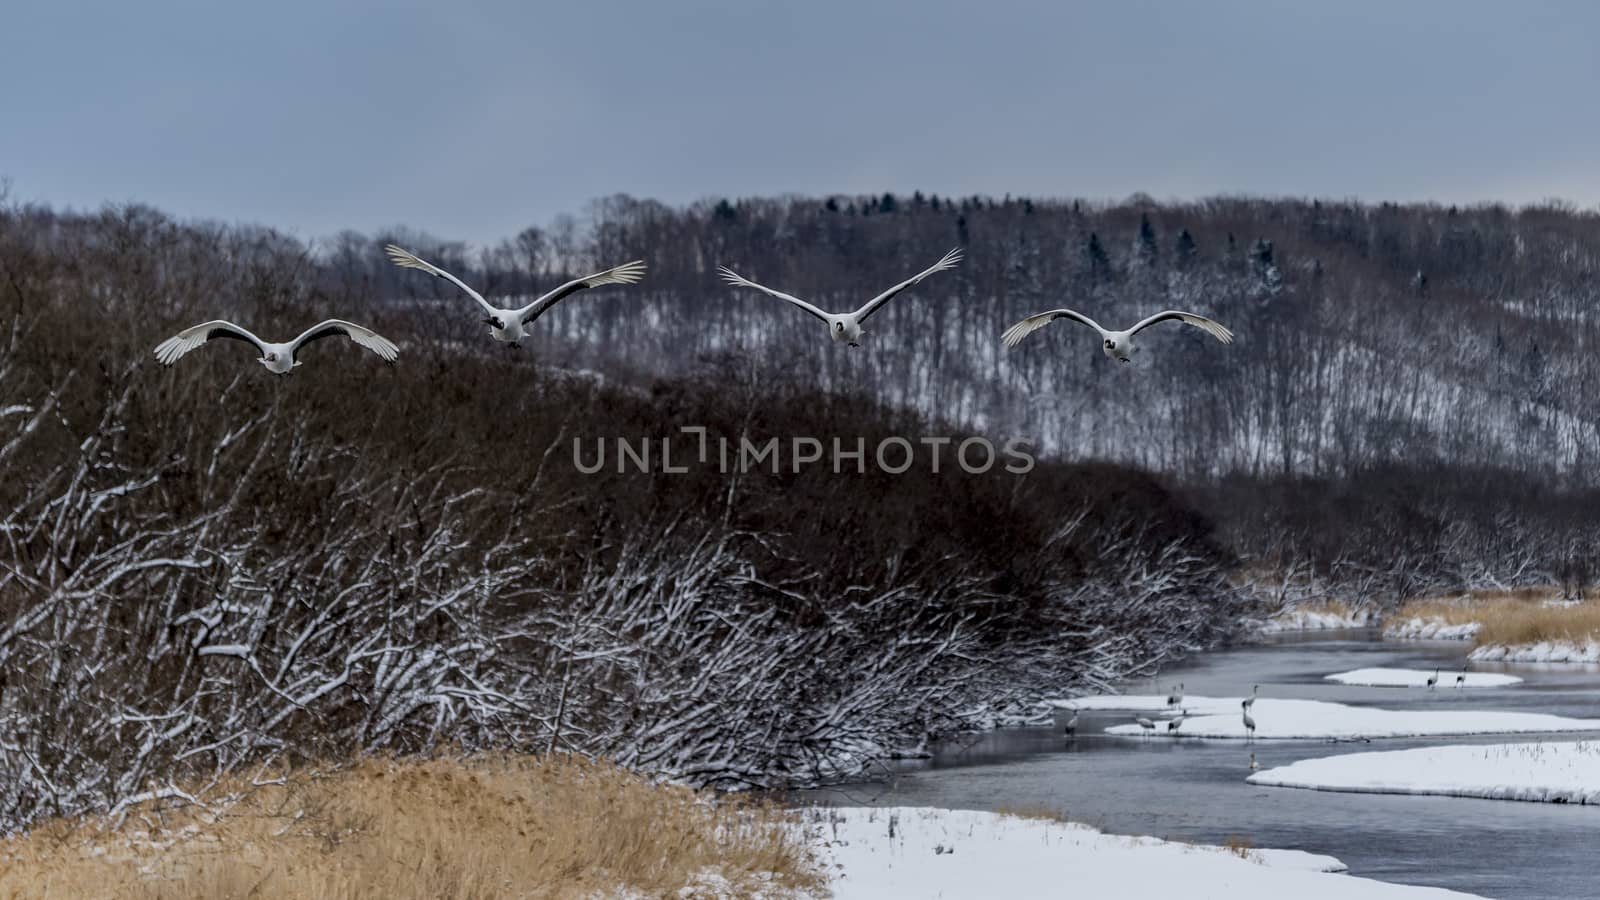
[406,259]
[627,273]
[1017,332]
[734,278]
[366,337]
[173,347]
[1213,328]
[948,262]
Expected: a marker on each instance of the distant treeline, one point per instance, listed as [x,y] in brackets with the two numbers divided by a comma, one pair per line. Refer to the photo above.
[1368,334]
[1421,376]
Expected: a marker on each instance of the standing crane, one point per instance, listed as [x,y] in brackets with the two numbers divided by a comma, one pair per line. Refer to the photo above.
[1249,723]
[1176,697]
[1148,726]
[1433,679]
[1250,701]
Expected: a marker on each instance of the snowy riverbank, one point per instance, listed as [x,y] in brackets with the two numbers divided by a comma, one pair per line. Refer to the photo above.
[1433,628]
[912,852]
[1325,619]
[1544,651]
[1429,628]
[1553,772]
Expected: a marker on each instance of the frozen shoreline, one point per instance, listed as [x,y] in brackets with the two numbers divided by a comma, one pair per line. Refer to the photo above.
[1544,651]
[1418,628]
[917,852]
[1294,620]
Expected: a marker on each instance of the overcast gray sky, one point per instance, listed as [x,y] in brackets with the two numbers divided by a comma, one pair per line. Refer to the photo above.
[474,120]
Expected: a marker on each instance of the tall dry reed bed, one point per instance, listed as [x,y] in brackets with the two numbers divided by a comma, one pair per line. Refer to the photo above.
[490,826]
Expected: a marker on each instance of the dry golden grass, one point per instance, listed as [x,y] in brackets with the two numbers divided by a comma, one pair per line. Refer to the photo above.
[1032,811]
[1239,845]
[1518,616]
[485,827]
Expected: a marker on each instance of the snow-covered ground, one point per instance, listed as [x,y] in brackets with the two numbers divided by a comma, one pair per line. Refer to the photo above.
[1556,772]
[1380,677]
[1544,651]
[1318,719]
[912,852]
[1418,628]
[1299,619]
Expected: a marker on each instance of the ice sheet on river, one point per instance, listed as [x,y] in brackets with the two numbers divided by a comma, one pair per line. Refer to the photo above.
[1553,772]
[911,852]
[1318,719]
[1381,677]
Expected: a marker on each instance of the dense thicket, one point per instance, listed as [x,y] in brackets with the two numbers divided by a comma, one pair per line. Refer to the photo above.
[206,566]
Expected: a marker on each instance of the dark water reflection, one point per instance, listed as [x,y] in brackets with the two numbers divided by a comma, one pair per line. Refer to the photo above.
[1195,790]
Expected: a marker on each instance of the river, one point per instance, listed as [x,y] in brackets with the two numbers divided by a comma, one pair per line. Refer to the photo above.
[1194,789]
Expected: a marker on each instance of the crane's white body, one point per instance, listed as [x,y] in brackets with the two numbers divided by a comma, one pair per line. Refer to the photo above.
[844,328]
[1118,345]
[507,325]
[279,359]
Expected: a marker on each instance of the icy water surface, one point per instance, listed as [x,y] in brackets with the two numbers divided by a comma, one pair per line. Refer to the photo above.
[1194,789]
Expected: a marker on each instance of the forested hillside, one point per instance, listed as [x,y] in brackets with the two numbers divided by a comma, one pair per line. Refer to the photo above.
[1410,403]
[1368,335]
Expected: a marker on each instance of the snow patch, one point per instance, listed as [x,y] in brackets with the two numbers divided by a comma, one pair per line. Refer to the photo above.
[909,852]
[1381,677]
[1555,772]
[1322,720]
[1418,628]
[1317,620]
